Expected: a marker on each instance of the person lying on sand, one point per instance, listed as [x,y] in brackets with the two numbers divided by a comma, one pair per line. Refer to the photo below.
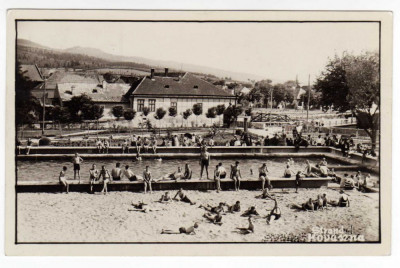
[251,211]
[217,209]
[343,200]
[319,203]
[165,198]
[309,205]
[183,197]
[234,208]
[216,219]
[247,230]
[275,213]
[142,207]
[182,230]
[265,194]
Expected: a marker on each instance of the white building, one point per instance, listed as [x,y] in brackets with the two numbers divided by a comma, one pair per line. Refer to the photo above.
[179,91]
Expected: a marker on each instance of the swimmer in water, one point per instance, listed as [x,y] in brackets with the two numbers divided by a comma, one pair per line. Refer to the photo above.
[182,197]
[182,230]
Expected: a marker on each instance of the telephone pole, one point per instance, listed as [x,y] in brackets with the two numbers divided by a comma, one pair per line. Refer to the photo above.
[44,106]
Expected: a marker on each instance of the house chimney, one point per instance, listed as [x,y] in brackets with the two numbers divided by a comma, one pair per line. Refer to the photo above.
[151,73]
[166,72]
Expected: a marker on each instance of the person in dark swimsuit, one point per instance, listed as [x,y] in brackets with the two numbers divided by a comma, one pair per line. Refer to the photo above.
[262,174]
[216,219]
[183,197]
[187,175]
[288,172]
[251,211]
[204,161]
[182,230]
[275,213]
[299,178]
[247,230]
[234,208]
[236,175]
[116,172]
[217,209]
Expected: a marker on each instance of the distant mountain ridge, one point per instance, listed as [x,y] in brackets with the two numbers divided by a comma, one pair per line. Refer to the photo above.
[98,53]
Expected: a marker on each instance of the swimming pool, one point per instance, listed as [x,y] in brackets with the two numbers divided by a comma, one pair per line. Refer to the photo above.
[49,170]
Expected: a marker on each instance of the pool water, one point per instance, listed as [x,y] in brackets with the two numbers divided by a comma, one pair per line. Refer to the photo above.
[49,170]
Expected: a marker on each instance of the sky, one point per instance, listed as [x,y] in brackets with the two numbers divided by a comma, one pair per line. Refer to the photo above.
[278,51]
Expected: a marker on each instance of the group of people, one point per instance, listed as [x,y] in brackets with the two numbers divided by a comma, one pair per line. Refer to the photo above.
[321,202]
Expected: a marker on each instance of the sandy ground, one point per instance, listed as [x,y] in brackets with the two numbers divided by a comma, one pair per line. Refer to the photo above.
[80,217]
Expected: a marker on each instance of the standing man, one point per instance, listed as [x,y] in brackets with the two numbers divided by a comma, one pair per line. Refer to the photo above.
[77,160]
[204,161]
[236,176]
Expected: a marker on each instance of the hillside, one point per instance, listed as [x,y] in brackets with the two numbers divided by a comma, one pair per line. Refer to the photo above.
[29,52]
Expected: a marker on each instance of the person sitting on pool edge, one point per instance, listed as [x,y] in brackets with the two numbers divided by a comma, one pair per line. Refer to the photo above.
[288,172]
[183,197]
[220,173]
[188,172]
[147,179]
[262,174]
[174,175]
[128,173]
[63,179]
[116,172]
[183,230]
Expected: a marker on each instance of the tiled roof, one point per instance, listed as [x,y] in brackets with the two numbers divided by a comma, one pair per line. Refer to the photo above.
[111,93]
[188,85]
[31,72]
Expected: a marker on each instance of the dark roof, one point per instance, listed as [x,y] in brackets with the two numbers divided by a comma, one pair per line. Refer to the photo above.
[32,72]
[188,85]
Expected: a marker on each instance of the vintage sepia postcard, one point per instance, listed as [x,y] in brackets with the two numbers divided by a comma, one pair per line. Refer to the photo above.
[198,132]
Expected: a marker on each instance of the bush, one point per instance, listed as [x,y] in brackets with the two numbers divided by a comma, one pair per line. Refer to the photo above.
[129,114]
[44,141]
[239,132]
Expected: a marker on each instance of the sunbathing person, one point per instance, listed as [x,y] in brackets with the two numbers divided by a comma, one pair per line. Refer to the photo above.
[234,208]
[247,230]
[165,198]
[343,200]
[182,230]
[324,201]
[142,207]
[183,197]
[251,211]
[318,203]
[265,194]
[308,170]
[217,209]
[307,206]
[216,219]
[275,213]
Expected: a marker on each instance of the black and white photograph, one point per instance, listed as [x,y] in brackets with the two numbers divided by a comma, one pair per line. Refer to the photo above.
[202,131]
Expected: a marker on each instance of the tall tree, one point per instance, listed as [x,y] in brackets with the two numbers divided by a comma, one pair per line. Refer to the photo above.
[197,110]
[160,113]
[352,83]
[231,114]
[117,111]
[211,113]
[220,111]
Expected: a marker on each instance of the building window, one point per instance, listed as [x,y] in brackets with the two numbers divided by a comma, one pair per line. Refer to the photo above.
[140,105]
[152,105]
[174,104]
